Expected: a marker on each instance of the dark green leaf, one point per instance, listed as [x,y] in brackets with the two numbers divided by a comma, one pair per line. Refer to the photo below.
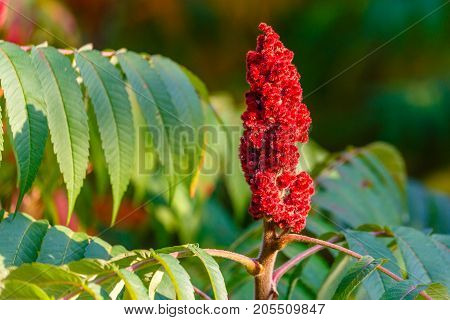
[98,249]
[357,188]
[424,261]
[61,246]
[404,290]
[366,244]
[26,111]
[21,238]
[359,271]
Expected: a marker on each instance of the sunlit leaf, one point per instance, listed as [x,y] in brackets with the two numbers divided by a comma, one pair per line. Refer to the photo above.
[67,117]
[178,276]
[115,122]
[215,276]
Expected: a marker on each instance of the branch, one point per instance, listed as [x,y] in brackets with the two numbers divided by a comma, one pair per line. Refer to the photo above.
[264,286]
[252,266]
[68,52]
[201,294]
[295,260]
[301,238]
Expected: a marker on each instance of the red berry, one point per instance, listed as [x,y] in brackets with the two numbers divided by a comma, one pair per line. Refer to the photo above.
[275,120]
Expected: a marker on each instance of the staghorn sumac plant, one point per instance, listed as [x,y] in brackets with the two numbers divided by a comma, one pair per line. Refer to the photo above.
[51,87]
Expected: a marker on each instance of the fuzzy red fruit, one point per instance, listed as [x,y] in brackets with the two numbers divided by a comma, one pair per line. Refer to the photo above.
[275,120]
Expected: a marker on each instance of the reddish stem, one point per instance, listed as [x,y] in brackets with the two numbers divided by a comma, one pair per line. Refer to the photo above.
[201,294]
[295,260]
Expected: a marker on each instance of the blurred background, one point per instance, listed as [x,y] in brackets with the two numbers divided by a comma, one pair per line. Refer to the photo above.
[371,71]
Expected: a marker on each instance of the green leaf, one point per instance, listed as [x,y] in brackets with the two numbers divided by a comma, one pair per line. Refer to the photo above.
[391,159]
[197,83]
[98,249]
[442,242]
[61,246]
[154,283]
[309,274]
[166,289]
[26,111]
[21,238]
[115,122]
[366,244]
[359,271]
[357,188]
[312,156]
[424,261]
[21,290]
[179,277]
[55,281]
[88,266]
[93,292]
[171,109]
[427,209]
[157,110]
[215,276]
[404,290]
[188,106]
[134,287]
[67,117]
[437,291]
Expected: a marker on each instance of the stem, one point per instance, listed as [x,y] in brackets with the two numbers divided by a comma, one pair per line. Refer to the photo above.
[251,265]
[68,52]
[201,294]
[301,238]
[264,286]
[295,260]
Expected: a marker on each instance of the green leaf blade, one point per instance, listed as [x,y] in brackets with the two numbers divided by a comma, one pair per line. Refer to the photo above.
[424,261]
[179,277]
[404,290]
[67,118]
[187,104]
[26,111]
[215,276]
[61,246]
[157,110]
[134,287]
[115,122]
[21,290]
[359,271]
[367,244]
[98,249]
[55,281]
[21,238]
[171,109]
